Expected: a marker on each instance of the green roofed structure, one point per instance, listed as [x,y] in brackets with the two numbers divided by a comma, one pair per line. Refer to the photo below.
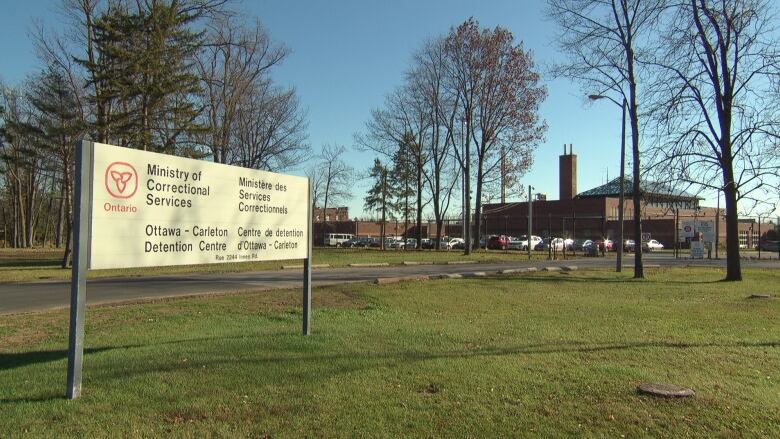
[654,194]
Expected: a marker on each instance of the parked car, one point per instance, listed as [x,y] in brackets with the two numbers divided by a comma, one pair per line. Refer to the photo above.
[534,241]
[579,244]
[557,244]
[542,246]
[443,242]
[569,244]
[592,247]
[336,239]
[652,245]
[629,245]
[770,246]
[426,243]
[497,242]
[358,242]
[456,243]
[375,242]
[396,244]
[514,243]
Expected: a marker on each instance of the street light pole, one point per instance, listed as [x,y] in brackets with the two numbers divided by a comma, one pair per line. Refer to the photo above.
[530,219]
[622,198]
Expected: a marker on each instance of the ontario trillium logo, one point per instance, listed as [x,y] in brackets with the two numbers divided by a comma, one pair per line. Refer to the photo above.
[121,180]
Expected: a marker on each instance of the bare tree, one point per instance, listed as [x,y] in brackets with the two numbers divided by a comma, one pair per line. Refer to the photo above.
[234,64]
[334,182]
[270,131]
[716,103]
[427,79]
[500,99]
[404,120]
[603,40]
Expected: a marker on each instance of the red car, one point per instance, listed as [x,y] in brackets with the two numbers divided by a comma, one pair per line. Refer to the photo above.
[497,242]
[604,244]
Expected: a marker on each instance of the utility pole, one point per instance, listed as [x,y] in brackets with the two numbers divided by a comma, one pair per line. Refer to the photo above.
[503,175]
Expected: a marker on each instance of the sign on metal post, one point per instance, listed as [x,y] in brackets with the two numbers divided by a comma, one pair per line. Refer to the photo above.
[138,209]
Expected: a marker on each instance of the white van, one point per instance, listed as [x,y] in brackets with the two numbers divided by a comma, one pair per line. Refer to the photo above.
[337,239]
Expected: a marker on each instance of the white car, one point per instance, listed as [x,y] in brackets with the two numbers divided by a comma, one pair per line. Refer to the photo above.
[557,244]
[455,242]
[652,245]
[397,243]
[521,243]
[513,243]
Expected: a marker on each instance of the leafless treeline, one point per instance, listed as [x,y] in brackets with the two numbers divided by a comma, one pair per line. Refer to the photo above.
[187,77]
[466,115]
[699,80]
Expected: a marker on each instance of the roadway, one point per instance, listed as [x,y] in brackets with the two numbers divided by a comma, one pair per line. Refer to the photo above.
[36,296]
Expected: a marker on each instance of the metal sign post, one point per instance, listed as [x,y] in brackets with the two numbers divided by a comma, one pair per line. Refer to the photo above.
[307,270]
[78,283]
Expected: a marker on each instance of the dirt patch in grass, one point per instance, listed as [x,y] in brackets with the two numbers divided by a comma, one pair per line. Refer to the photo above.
[333,298]
[184,416]
[35,329]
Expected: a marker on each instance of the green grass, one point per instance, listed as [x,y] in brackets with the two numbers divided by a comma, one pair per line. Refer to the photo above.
[24,265]
[549,354]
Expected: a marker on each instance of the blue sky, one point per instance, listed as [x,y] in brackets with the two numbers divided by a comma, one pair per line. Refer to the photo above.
[347,55]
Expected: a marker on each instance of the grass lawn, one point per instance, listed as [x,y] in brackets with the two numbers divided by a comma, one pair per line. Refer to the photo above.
[549,354]
[24,265]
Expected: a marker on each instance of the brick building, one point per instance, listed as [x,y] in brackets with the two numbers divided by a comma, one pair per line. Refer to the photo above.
[330,214]
[585,215]
[594,213]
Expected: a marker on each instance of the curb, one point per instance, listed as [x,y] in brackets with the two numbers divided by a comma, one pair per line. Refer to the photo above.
[460,262]
[513,270]
[393,280]
[300,267]
[417,263]
[376,264]
[474,274]
[551,269]
[569,268]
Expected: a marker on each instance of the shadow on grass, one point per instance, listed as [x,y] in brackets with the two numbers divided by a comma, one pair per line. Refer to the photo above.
[12,360]
[351,361]
[324,364]
[31,263]
[598,278]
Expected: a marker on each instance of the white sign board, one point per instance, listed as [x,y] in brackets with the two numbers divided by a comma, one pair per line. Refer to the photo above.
[153,209]
[697,250]
[707,229]
[689,228]
[686,229]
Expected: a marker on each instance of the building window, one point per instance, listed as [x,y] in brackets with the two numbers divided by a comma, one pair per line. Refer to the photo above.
[743,234]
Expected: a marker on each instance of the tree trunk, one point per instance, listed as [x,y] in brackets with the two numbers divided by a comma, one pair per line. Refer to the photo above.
[419,204]
[60,213]
[478,204]
[733,264]
[639,271]
[467,193]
